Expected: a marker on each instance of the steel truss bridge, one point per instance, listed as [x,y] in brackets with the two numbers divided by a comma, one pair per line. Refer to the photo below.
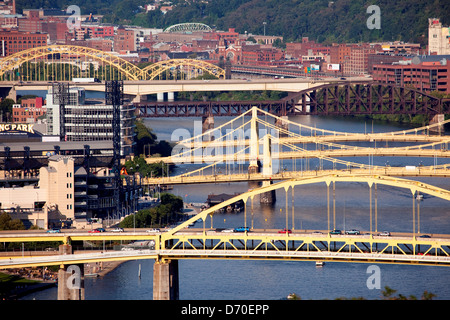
[64,62]
[337,98]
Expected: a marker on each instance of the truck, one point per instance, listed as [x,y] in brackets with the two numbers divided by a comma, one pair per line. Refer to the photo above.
[85,80]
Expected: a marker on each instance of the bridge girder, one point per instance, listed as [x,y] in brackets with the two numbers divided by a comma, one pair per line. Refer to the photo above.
[351,98]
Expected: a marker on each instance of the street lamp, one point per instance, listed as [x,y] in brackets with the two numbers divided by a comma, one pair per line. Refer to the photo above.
[264,24]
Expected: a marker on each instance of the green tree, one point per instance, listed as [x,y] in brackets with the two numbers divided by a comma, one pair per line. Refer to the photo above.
[6,109]
[7,223]
[167,212]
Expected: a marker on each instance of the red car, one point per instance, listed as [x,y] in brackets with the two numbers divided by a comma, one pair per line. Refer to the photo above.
[97,230]
[285,231]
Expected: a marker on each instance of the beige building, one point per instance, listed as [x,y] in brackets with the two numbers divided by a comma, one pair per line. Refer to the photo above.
[438,37]
[57,179]
[49,203]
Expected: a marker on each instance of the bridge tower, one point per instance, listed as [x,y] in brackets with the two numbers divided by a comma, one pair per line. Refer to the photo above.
[270,196]
[254,143]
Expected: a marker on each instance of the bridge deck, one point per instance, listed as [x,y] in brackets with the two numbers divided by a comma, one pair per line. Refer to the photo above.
[256,244]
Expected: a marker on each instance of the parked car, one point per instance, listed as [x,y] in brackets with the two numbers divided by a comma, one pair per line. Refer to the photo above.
[335,231]
[227,230]
[241,229]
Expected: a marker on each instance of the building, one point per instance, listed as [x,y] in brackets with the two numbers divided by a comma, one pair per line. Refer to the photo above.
[125,40]
[13,41]
[266,39]
[54,183]
[86,120]
[97,31]
[8,7]
[31,21]
[56,29]
[63,193]
[438,38]
[358,64]
[425,73]
[9,21]
[28,111]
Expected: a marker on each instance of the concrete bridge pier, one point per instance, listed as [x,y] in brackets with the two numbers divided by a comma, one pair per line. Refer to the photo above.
[166,280]
[283,125]
[70,278]
[160,96]
[439,130]
[170,96]
[207,124]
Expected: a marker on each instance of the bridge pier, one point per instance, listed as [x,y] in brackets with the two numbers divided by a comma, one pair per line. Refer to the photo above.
[70,278]
[165,280]
[160,96]
[439,130]
[283,125]
[268,197]
[207,124]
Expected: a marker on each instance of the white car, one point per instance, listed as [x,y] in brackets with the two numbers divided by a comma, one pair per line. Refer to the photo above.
[153,231]
[385,233]
[117,230]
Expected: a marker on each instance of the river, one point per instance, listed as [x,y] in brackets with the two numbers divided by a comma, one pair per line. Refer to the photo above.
[273,280]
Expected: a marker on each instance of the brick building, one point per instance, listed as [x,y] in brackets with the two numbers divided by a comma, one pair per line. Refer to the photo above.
[28,111]
[31,22]
[13,41]
[125,40]
[430,73]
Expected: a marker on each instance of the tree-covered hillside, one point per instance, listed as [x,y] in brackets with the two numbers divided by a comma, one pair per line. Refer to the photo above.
[322,20]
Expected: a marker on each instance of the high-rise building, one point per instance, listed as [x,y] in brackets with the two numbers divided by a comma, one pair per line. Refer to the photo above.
[438,37]
[86,120]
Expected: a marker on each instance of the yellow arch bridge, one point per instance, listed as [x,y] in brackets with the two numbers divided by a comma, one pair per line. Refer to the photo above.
[65,62]
[207,242]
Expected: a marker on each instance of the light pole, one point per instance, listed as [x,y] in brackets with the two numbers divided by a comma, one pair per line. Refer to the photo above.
[264,24]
